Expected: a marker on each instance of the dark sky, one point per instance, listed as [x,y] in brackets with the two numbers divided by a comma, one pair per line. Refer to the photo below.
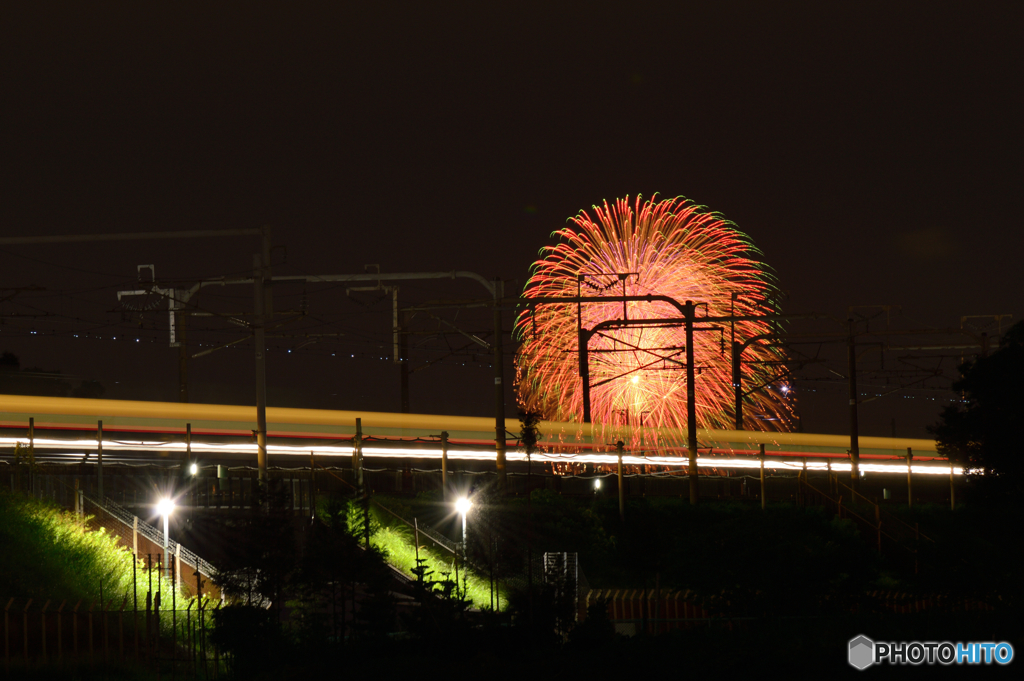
[871,150]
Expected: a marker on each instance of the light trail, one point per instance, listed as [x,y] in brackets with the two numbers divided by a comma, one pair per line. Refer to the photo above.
[740,462]
[137,419]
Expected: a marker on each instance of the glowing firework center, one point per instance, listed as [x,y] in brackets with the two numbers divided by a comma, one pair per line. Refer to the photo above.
[637,374]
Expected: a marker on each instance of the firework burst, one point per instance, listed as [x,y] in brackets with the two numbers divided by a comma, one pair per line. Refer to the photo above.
[672,248]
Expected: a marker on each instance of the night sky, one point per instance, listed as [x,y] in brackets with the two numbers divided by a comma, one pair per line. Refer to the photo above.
[871,150]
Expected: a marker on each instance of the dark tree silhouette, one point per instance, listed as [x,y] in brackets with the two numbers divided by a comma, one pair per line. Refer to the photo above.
[42,382]
[983,434]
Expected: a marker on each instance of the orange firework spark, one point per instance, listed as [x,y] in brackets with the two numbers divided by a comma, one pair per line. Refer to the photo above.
[672,248]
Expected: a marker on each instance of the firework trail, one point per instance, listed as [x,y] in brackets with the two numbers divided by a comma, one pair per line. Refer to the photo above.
[672,248]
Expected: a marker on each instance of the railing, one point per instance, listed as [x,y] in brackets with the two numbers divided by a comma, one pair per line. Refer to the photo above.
[884,526]
[423,529]
[889,518]
[118,512]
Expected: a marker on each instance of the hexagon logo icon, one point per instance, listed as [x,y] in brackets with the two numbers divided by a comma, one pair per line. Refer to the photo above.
[861,652]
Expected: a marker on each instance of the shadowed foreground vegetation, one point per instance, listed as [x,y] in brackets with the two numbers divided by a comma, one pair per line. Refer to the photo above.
[784,583]
[788,560]
[49,554]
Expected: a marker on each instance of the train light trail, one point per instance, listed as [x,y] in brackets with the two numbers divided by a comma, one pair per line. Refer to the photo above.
[673,248]
[397,451]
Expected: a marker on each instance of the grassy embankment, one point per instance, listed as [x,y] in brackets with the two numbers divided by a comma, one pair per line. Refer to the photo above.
[49,553]
[396,540]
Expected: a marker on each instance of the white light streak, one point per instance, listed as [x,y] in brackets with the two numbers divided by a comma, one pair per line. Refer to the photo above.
[814,463]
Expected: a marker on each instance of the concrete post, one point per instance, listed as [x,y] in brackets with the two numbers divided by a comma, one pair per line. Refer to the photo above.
[851,357]
[691,400]
[910,480]
[99,461]
[952,489]
[444,466]
[499,391]
[622,489]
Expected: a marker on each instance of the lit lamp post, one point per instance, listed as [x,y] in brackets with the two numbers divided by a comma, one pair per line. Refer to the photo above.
[165,507]
[462,506]
[193,470]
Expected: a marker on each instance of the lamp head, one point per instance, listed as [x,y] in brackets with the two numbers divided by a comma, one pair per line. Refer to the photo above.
[462,505]
[193,469]
[165,506]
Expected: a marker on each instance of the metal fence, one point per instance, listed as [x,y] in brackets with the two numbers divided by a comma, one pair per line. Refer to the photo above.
[129,520]
[40,633]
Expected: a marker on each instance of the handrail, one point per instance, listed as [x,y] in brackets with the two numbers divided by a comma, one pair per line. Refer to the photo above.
[444,543]
[889,516]
[877,527]
[127,518]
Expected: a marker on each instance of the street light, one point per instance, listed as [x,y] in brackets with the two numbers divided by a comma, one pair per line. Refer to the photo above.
[165,507]
[193,469]
[462,505]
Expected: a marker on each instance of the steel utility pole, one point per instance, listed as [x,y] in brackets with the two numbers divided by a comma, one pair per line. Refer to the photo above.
[586,334]
[99,461]
[182,358]
[689,312]
[177,323]
[737,385]
[764,497]
[403,354]
[444,466]
[261,273]
[493,288]
[689,319]
[851,354]
[192,234]
[364,497]
[499,390]
[622,489]
[910,478]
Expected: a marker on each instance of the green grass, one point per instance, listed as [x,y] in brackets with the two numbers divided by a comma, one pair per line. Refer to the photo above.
[49,553]
[396,540]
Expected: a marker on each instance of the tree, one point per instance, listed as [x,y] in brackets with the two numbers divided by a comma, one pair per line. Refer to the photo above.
[264,552]
[982,433]
[36,381]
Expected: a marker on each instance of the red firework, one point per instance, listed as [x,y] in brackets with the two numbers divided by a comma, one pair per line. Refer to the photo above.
[671,248]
